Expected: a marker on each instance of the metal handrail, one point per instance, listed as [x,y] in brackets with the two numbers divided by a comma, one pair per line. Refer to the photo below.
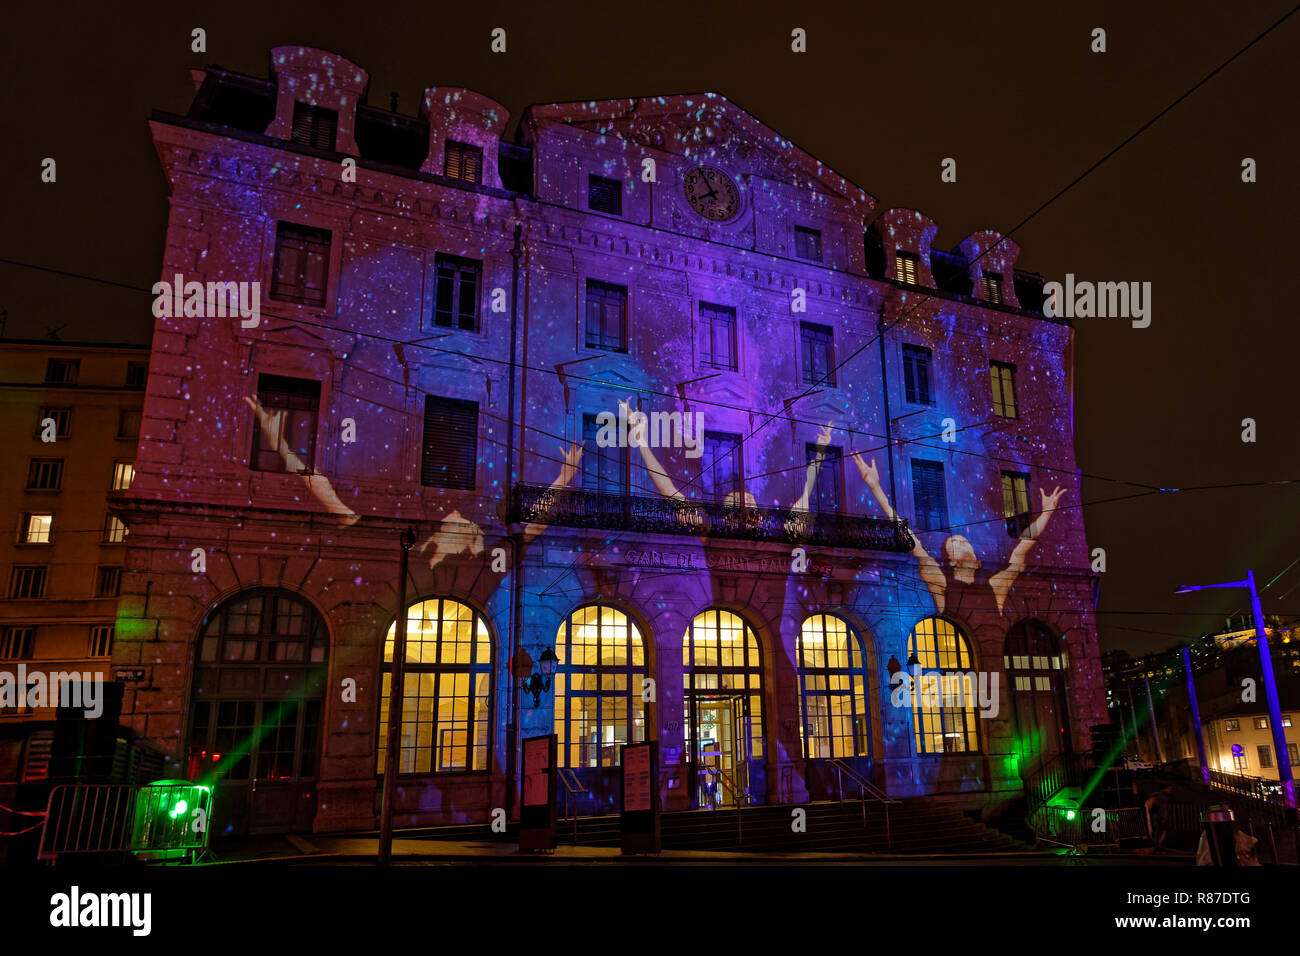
[572,785]
[865,789]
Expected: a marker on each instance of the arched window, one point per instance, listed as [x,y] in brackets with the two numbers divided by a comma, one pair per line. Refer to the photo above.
[599,671]
[446,692]
[258,689]
[944,699]
[832,690]
[720,656]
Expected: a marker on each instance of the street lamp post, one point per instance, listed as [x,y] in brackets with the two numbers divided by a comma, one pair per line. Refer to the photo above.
[406,540]
[1270,684]
[1196,716]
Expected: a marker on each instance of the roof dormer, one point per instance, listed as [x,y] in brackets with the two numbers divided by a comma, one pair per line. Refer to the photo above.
[316,98]
[991,262]
[905,239]
[465,130]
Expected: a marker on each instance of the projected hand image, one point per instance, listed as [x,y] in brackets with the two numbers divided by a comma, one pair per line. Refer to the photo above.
[271,423]
[964,564]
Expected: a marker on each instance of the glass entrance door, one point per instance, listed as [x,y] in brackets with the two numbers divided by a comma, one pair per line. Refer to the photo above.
[719,735]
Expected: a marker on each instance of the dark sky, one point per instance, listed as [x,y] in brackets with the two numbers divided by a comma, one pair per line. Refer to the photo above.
[885,92]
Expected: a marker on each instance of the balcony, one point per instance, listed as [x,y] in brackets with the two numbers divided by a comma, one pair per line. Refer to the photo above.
[536,504]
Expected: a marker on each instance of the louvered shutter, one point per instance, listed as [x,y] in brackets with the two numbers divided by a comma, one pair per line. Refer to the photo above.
[450,443]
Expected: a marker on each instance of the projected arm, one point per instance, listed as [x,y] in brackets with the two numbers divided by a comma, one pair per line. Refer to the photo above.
[927,567]
[272,425]
[662,482]
[1002,581]
[570,458]
[810,480]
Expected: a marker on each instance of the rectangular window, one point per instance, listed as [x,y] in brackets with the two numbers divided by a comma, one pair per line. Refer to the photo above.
[808,243]
[1286,720]
[817,354]
[45,474]
[450,454]
[1291,752]
[302,261]
[606,316]
[1239,762]
[314,126]
[1261,723]
[108,581]
[828,492]
[916,375]
[27,582]
[463,162]
[1265,756]
[905,263]
[62,371]
[36,528]
[17,643]
[114,530]
[604,470]
[137,373]
[717,336]
[605,195]
[1230,725]
[991,288]
[723,466]
[455,303]
[1004,389]
[929,494]
[123,475]
[62,421]
[1015,502]
[286,439]
[101,641]
[128,423]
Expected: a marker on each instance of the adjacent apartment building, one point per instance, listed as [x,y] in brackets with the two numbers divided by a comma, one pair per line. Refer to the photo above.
[856,465]
[71,416]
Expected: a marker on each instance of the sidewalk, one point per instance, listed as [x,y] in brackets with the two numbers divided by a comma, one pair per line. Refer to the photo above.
[328,850]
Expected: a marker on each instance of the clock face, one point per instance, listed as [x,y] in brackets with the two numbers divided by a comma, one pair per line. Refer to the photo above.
[712,193]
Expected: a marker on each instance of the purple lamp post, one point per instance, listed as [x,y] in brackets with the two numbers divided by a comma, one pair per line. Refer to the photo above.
[1270,685]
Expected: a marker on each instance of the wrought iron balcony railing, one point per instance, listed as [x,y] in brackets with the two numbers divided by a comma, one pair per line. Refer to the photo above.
[533,504]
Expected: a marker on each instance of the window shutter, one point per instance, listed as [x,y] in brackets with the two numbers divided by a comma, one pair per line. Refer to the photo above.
[450,443]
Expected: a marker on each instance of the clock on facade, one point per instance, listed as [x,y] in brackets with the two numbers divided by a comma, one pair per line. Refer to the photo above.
[712,193]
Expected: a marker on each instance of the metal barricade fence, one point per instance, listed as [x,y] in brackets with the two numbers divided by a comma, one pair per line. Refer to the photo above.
[164,820]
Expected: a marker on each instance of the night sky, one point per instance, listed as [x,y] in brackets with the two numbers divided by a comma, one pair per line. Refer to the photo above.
[884,93]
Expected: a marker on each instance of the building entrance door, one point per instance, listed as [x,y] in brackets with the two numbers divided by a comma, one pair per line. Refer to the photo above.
[719,743]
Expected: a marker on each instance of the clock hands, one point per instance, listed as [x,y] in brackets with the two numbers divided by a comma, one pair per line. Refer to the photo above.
[713,190]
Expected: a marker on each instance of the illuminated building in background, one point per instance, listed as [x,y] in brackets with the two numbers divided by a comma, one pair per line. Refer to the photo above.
[451,329]
[70,412]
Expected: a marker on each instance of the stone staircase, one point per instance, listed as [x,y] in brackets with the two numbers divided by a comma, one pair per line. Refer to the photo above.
[916,826]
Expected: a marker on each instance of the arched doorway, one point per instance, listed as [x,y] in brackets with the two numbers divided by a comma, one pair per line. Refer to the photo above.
[256,711]
[599,705]
[834,709]
[722,682]
[1036,665]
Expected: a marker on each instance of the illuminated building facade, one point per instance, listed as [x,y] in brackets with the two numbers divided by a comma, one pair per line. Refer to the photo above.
[457,333]
[71,416]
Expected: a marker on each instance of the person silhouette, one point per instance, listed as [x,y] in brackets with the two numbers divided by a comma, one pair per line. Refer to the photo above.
[969,584]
